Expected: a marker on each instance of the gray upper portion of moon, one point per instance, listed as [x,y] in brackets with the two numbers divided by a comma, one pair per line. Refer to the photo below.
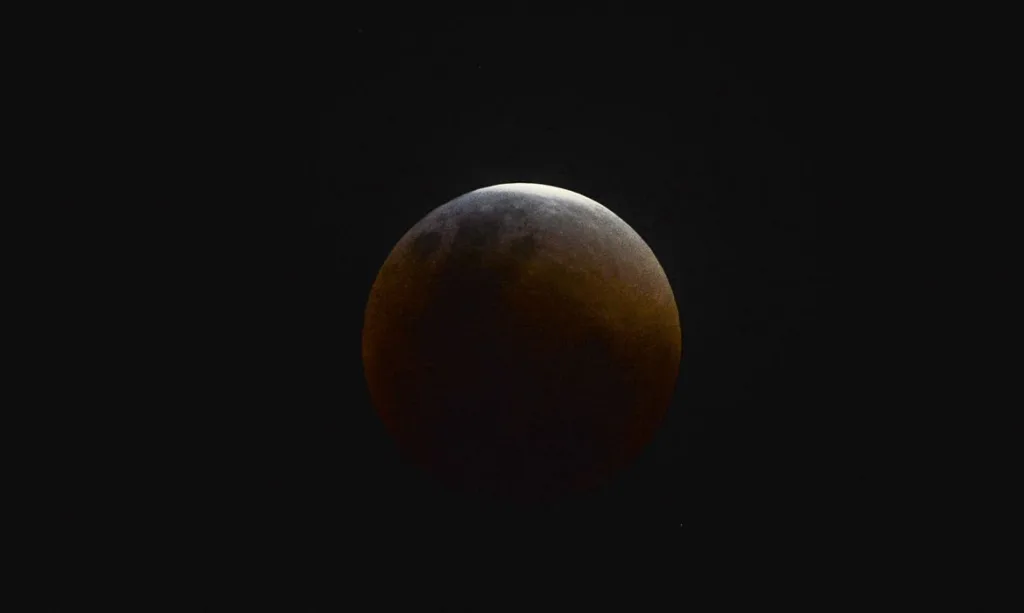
[528,216]
[538,238]
[526,209]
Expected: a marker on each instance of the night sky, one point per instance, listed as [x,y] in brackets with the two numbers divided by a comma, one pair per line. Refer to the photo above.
[282,173]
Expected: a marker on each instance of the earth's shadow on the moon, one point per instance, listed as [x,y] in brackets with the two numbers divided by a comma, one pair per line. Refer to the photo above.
[509,403]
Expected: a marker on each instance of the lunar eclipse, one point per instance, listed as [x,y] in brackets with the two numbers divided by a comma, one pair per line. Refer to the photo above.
[521,343]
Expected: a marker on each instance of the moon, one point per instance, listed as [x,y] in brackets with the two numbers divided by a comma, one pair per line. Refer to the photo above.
[521,342]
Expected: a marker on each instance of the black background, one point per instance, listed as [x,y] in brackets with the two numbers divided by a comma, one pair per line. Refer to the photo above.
[273,171]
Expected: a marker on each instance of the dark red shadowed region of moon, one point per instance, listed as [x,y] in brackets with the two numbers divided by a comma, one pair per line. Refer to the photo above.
[522,343]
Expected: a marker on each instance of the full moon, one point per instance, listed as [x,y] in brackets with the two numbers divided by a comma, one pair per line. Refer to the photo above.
[521,342]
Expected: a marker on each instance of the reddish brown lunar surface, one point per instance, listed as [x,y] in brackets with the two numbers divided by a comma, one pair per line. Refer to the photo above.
[521,342]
